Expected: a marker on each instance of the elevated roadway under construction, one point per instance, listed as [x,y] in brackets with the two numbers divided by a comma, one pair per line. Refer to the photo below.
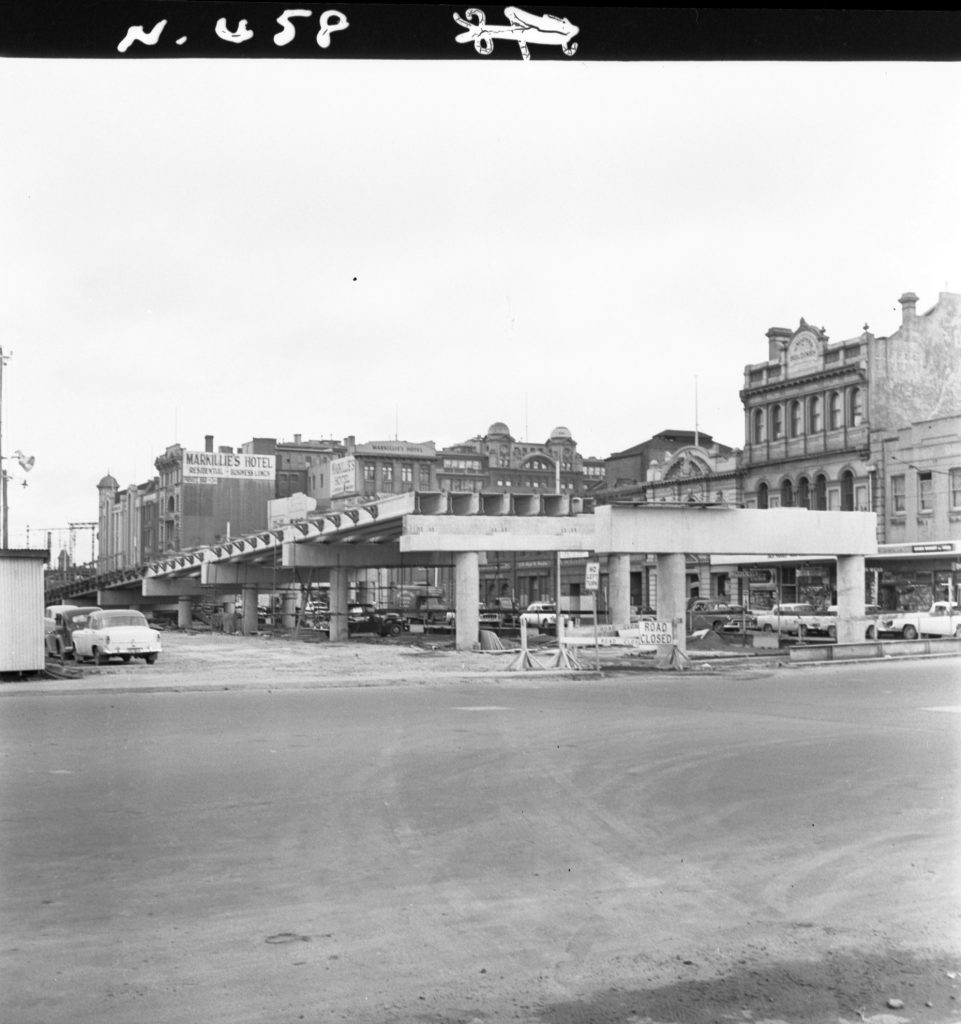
[420,529]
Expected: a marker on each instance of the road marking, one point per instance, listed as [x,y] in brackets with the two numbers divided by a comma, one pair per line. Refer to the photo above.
[953,708]
[485,707]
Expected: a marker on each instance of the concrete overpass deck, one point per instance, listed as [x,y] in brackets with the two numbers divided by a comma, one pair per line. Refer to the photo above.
[457,530]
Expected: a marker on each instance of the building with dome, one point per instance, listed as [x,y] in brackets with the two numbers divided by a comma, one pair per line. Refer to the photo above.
[499,462]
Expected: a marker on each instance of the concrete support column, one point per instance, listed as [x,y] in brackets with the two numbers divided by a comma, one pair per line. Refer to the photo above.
[466,597]
[619,590]
[289,609]
[672,595]
[339,587]
[850,599]
[185,617]
[249,626]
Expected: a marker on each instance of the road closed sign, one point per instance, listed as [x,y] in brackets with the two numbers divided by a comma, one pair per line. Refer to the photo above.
[655,632]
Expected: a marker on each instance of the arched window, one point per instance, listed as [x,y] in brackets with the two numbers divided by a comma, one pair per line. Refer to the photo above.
[847,491]
[777,422]
[855,407]
[787,494]
[804,493]
[762,501]
[834,411]
[759,433]
[821,492]
[796,418]
[814,414]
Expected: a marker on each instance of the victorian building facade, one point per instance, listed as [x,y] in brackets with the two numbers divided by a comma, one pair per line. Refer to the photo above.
[865,424]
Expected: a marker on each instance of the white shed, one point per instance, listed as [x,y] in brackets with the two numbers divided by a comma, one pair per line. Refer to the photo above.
[21,609]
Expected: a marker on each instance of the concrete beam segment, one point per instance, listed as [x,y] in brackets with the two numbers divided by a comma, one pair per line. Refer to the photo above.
[498,533]
[184,587]
[672,595]
[850,599]
[339,591]
[226,574]
[782,531]
[619,589]
[314,555]
[118,598]
[466,598]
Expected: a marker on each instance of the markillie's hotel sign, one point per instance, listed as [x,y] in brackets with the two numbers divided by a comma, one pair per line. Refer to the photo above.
[209,467]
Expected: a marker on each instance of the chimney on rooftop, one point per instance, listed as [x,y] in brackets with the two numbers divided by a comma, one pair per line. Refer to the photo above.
[296,438]
[908,303]
[208,442]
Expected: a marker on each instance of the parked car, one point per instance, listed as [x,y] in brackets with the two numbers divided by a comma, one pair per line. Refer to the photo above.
[542,614]
[367,618]
[58,640]
[941,619]
[116,633]
[716,614]
[795,618]
[871,611]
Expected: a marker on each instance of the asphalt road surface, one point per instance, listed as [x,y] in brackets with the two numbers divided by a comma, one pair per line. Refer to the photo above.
[761,845]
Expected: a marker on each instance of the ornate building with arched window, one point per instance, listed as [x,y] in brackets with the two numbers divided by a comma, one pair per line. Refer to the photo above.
[866,424]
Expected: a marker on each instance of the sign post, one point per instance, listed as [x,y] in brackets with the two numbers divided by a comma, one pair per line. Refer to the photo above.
[592,577]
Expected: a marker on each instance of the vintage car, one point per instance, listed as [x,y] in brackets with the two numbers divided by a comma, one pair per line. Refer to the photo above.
[800,619]
[943,618]
[116,633]
[58,640]
[717,614]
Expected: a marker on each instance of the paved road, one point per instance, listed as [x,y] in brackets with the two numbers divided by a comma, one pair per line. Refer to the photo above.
[777,844]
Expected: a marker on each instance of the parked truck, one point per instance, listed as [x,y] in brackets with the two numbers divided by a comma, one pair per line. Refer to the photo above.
[943,618]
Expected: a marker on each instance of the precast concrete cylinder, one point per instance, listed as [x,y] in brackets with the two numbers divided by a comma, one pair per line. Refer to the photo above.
[619,590]
[850,599]
[339,588]
[466,596]
[672,595]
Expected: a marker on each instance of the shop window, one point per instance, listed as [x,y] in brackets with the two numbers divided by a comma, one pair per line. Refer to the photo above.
[898,502]
[777,422]
[795,418]
[834,411]
[855,407]
[955,486]
[814,414]
[925,495]
[759,433]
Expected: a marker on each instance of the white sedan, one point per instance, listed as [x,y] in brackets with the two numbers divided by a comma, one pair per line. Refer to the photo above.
[116,633]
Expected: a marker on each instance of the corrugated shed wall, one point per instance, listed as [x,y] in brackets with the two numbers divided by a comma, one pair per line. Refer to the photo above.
[21,614]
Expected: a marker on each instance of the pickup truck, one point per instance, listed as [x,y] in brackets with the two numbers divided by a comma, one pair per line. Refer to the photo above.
[800,619]
[941,619]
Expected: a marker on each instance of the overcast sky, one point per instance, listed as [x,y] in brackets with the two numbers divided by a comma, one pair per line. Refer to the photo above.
[419,249]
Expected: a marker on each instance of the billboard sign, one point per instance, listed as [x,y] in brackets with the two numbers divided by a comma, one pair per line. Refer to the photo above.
[343,476]
[209,467]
